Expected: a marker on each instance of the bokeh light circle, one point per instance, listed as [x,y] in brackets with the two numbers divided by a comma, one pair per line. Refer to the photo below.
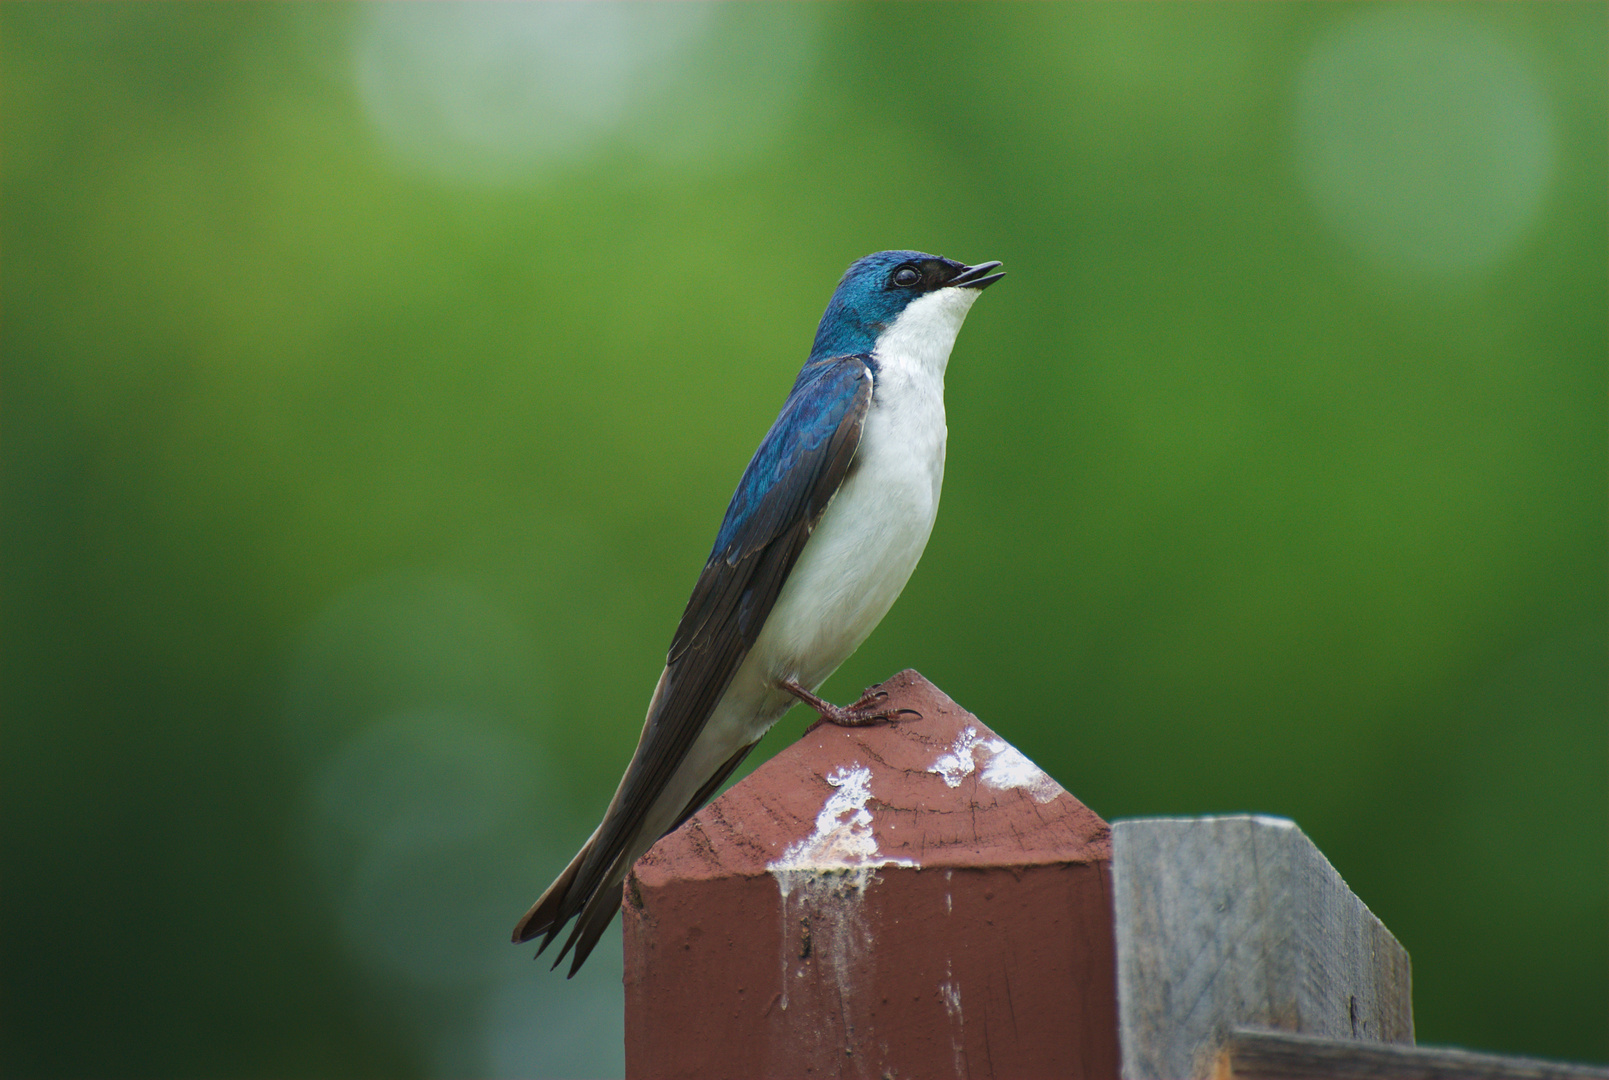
[1424,140]
[483,93]
[499,95]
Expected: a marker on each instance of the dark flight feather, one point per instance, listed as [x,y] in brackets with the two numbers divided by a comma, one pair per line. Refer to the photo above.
[792,477]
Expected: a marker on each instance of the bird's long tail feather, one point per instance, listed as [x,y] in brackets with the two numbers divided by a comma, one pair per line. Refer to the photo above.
[595,894]
[549,913]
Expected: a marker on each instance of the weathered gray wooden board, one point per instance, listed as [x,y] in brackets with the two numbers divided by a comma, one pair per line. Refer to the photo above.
[1227,922]
[1266,1055]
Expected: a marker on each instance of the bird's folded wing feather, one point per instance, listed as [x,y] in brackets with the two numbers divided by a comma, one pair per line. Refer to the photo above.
[788,484]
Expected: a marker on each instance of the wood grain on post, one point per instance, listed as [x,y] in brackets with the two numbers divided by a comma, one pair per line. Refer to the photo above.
[1234,922]
[912,899]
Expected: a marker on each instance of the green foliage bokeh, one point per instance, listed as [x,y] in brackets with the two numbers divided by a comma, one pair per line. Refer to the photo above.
[1259,498]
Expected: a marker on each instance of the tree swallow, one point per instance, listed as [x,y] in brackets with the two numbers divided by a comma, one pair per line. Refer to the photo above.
[822,533]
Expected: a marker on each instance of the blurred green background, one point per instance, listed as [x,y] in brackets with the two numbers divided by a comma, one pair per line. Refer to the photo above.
[375,379]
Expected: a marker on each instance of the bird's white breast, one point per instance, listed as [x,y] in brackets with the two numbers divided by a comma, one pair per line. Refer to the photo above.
[868,541]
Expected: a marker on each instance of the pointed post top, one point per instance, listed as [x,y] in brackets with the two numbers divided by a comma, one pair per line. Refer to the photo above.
[912,898]
[935,790]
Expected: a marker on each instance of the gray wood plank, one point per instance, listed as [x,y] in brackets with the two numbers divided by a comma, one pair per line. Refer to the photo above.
[1227,922]
[1267,1055]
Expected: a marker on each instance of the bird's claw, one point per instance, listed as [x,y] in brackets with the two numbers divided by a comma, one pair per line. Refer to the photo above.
[860,714]
[863,713]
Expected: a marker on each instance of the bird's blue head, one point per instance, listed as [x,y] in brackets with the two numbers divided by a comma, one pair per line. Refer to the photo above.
[877,289]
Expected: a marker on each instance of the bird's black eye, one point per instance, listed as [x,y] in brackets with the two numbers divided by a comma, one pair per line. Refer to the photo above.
[906,276]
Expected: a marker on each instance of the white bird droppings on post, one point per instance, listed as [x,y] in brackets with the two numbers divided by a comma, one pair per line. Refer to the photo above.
[1004,766]
[843,838]
[1009,768]
[959,762]
[952,999]
[823,878]
[951,993]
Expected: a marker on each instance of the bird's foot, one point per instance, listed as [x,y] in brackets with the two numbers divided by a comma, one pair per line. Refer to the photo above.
[868,710]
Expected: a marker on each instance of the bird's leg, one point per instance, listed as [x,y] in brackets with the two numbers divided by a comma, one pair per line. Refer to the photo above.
[868,710]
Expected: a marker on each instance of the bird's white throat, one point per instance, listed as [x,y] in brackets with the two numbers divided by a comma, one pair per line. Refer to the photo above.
[919,342]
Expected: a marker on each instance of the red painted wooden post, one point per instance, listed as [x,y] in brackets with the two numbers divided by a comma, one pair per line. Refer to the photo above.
[914,899]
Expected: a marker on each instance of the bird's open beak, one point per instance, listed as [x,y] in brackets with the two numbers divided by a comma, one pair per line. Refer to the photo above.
[976,277]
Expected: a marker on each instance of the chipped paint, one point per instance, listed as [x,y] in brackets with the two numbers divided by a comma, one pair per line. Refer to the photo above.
[823,878]
[1004,766]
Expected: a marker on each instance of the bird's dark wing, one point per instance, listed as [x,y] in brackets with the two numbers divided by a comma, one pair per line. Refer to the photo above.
[793,476]
[789,482]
